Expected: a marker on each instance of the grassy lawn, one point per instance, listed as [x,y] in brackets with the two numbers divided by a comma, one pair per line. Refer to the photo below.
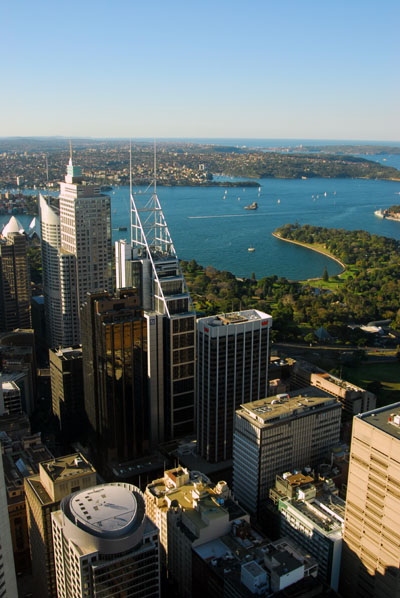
[386,373]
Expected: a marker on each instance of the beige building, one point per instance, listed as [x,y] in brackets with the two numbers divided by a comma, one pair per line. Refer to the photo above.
[278,434]
[354,399]
[56,479]
[189,511]
[371,551]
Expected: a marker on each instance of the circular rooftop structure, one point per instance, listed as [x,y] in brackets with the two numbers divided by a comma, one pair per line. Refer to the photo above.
[108,510]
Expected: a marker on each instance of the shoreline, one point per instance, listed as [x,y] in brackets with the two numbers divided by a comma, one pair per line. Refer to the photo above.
[306,246]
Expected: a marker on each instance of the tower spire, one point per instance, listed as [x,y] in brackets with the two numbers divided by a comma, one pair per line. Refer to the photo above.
[155,167]
[70,151]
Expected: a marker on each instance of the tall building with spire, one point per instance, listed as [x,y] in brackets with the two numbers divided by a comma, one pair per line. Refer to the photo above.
[76,254]
[152,265]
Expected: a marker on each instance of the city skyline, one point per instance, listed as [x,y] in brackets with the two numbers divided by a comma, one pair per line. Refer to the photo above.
[263,71]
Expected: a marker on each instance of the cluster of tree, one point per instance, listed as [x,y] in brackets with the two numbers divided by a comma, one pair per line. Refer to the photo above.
[371,292]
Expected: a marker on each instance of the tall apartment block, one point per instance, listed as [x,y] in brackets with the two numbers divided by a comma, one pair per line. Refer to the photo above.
[189,511]
[56,479]
[76,253]
[120,399]
[8,580]
[278,434]
[105,545]
[371,552]
[151,265]
[15,280]
[232,368]
[66,376]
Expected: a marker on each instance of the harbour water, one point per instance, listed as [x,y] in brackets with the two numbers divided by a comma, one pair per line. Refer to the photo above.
[213,227]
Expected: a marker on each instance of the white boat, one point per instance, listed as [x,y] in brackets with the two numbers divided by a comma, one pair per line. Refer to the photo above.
[251,249]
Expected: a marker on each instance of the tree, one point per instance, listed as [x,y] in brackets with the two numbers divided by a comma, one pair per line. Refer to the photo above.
[325,275]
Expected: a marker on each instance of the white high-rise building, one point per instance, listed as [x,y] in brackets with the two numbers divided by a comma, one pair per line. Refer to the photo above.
[76,254]
[8,581]
[105,545]
[85,228]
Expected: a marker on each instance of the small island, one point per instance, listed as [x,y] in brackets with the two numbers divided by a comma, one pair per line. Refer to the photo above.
[392,213]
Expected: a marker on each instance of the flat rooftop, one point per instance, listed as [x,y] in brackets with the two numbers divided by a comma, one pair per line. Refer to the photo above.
[69,353]
[236,317]
[386,419]
[269,410]
[65,467]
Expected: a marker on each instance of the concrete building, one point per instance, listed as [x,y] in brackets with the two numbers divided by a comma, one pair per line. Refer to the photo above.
[354,399]
[85,230]
[189,511]
[44,491]
[371,551]
[105,545]
[8,580]
[15,280]
[67,387]
[276,434]
[76,253]
[232,368]
[21,458]
[243,564]
[313,515]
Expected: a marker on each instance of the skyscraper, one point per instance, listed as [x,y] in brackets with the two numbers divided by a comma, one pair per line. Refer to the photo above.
[85,228]
[8,582]
[277,434]
[232,368]
[67,388]
[115,366]
[76,253]
[154,269]
[15,280]
[371,551]
[105,545]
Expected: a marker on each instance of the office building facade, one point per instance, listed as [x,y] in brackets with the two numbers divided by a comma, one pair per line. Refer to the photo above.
[67,396]
[105,545]
[371,551]
[76,253]
[8,580]
[152,266]
[56,479]
[116,385]
[276,434]
[15,280]
[232,368]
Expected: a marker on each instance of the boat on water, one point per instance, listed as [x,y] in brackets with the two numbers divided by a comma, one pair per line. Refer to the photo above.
[252,206]
[251,249]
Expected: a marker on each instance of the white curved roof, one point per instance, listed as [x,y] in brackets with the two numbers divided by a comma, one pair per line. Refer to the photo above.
[105,509]
[13,226]
[47,213]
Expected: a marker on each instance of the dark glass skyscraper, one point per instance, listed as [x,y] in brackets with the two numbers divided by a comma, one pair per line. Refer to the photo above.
[114,343]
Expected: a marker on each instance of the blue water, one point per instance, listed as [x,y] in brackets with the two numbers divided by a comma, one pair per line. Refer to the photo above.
[218,232]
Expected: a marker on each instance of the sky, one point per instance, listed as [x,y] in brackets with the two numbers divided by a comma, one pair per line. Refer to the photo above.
[298,69]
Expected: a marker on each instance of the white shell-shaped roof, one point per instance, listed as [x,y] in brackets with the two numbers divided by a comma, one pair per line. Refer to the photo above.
[47,213]
[13,226]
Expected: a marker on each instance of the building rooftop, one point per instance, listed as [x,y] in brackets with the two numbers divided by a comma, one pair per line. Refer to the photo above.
[326,512]
[271,409]
[237,317]
[106,509]
[386,419]
[68,352]
[64,467]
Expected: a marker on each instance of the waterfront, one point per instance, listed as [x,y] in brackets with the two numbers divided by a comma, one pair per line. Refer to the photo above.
[218,232]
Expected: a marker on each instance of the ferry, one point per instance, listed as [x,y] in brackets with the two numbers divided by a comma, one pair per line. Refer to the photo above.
[252,206]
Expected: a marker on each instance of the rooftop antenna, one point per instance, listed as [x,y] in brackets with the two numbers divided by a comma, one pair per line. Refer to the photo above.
[47,169]
[70,150]
[130,187]
[155,167]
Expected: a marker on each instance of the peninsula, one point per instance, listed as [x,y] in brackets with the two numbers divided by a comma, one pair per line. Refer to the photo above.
[392,213]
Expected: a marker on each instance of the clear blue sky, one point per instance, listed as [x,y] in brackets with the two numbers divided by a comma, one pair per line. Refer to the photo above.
[323,69]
